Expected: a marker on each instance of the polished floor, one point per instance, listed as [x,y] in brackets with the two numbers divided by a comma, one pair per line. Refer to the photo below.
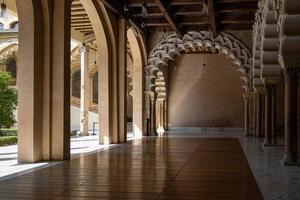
[80,146]
[152,168]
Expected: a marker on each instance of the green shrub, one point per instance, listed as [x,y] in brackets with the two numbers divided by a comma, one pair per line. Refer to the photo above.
[73,133]
[8,140]
[8,132]
[8,101]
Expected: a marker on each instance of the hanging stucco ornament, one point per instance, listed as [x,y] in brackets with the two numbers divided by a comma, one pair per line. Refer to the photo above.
[257,28]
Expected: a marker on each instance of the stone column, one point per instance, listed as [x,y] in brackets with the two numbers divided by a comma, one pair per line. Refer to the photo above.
[258,115]
[246,115]
[273,115]
[147,113]
[44,80]
[84,113]
[268,105]
[290,116]
[152,114]
[270,115]
[30,84]
[122,70]
[160,117]
[166,114]
[262,116]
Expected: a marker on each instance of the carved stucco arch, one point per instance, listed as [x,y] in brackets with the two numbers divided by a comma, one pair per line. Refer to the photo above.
[160,86]
[11,47]
[198,41]
[8,48]
[257,81]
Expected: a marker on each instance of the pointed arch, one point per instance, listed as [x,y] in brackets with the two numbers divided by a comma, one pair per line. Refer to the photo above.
[106,59]
[137,48]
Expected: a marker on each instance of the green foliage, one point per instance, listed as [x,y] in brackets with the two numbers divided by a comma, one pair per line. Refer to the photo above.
[8,101]
[8,140]
[8,132]
[73,133]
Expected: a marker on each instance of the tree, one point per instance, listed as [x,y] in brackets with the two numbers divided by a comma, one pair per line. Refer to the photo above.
[8,101]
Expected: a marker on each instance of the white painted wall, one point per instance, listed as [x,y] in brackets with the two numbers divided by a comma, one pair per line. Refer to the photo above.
[75,119]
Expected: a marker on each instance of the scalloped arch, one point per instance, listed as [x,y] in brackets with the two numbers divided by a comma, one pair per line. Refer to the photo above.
[198,41]
[7,48]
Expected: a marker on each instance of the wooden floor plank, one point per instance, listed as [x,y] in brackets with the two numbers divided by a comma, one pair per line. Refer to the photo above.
[154,168]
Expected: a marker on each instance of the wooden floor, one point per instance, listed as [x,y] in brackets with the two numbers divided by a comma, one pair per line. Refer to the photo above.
[155,168]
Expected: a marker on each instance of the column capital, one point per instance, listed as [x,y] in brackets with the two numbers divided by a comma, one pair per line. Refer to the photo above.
[246,97]
[84,48]
[260,89]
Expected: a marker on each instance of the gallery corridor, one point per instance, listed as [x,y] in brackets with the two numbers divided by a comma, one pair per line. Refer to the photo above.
[151,168]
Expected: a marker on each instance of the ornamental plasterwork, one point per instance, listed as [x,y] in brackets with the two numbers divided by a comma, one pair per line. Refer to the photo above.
[257,28]
[8,48]
[197,41]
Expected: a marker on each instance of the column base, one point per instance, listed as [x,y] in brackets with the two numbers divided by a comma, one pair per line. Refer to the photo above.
[289,161]
[84,134]
[246,134]
[153,133]
[160,132]
[267,142]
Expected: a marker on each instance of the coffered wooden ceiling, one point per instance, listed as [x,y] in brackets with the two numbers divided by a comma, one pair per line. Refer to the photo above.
[177,15]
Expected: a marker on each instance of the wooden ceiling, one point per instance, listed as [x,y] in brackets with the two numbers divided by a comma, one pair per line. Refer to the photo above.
[177,15]
[79,18]
[184,15]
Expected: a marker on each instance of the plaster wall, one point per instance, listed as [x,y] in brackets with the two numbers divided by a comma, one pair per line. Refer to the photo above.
[75,119]
[209,96]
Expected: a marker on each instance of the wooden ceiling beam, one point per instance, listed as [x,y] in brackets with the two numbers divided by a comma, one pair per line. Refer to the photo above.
[236,1]
[80,19]
[163,7]
[211,15]
[84,28]
[234,27]
[78,10]
[133,4]
[80,26]
[238,6]
[149,15]
[246,22]
[118,8]
[81,22]
[79,15]
[185,2]
[194,23]
[158,24]
[188,13]
[86,32]
[76,6]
